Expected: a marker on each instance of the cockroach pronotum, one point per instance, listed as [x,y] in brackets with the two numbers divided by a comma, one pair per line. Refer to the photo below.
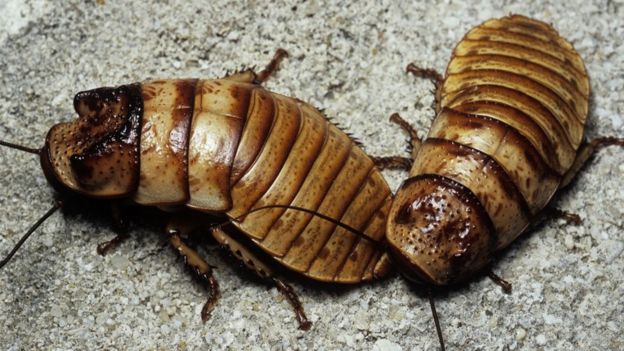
[507,135]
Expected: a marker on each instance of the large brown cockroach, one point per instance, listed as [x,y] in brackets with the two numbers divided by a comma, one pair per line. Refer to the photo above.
[508,134]
[289,180]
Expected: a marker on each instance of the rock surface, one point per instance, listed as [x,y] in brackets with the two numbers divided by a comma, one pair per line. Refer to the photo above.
[59,294]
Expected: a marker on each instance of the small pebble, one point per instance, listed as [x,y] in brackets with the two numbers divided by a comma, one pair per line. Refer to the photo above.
[520,334]
[540,339]
[386,345]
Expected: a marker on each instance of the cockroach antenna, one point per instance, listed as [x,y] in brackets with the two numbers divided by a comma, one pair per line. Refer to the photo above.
[378,244]
[32,229]
[20,147]
[435,320]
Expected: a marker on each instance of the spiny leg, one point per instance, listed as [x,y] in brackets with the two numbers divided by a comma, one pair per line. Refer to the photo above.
[249,76]
[202,270]
[121,227]
[413,144]
[392,162]
[279,55]
[414,140]
[555,213]
[505,285]
[289,293]
[104,247]
[427,73]
[434,76]
[546,214]
[584,153]
[437,79]
[263,270]
[550,212]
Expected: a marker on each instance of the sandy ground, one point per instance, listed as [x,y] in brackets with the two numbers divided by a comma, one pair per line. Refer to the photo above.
[58,294]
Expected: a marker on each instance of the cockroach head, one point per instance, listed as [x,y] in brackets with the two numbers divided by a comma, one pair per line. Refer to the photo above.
[437,231]
[97,154]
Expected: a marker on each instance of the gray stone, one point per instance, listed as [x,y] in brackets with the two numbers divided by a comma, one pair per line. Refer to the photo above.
[349,59]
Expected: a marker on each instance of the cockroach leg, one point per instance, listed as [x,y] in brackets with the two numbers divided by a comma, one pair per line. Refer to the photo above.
[104,247]
[585,152]
[427,73]
[120,226]
[293,299]
[505,285]
[280,54]
[393,162]
[434,76]
[119,220]
[413,144]
[405,125]
[555,213]
[251,77]
[414,141]
[199,267]
[187,223]
[255,263]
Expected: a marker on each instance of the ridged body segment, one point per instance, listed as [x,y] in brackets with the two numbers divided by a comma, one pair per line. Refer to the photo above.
[483,176]
[249,148]
[167,112]
[215,131]
[555,99]
[510,117]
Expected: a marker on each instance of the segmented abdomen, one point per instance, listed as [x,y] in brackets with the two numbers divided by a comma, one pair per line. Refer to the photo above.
[511,114]
[226,146]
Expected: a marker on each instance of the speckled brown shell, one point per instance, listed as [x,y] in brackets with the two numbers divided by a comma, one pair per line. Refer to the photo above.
[98,154]
[510,117]
[231,147]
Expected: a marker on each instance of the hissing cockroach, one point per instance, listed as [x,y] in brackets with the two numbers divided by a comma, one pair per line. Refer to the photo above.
[229,147]
[510,116]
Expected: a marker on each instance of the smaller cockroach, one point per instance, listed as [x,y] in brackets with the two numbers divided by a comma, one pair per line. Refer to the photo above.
[507,137]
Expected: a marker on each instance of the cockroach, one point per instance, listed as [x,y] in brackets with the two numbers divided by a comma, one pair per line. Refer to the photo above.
[507,136]
[294,185]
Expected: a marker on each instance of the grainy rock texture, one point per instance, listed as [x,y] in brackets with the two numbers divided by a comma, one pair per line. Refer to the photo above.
[349,59]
